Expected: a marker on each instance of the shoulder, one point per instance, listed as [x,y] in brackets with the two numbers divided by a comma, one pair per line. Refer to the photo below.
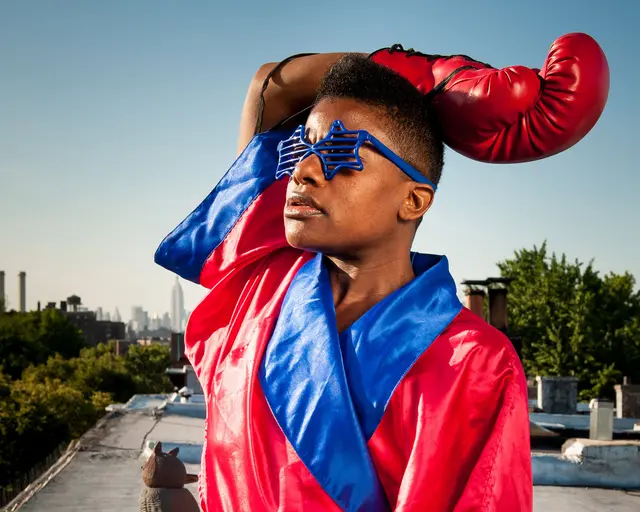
[467,376]
[469,350]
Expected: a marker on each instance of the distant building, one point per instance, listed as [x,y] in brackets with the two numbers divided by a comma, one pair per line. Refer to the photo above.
[178,357]
[177,308]
[166,321]
[155,322]
[139,319]
[181,372]
[161,334]
[136,311]
[106,331]
[86,322]
[116,316]
[94,331]
[131,334]
[99,314]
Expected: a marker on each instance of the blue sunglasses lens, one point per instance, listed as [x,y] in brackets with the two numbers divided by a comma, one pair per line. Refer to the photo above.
[290,152]
[338,150]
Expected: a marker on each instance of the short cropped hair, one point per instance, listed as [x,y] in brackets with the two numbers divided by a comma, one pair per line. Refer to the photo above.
[412,124]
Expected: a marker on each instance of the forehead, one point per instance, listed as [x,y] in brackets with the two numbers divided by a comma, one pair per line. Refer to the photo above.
[353,114]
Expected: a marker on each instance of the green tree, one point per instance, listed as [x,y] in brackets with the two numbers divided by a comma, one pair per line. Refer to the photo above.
[56,367]
[107,374]
[148,364]
[30,426]
[30,338]
[48,397]
[573,321]
[62,408]
[99,350]
[19,343]
[8,427]
[59,335]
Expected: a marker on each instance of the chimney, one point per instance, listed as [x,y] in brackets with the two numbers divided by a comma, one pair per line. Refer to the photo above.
[475,301]
[63,305]
[23,291]
[177,347]
[498,308]
[2,297]
[39,307]
[122,347]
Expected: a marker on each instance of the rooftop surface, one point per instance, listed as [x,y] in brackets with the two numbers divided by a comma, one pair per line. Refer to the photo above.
[102,473]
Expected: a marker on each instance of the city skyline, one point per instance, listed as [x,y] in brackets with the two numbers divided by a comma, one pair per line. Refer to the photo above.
[154,320]
[116,134]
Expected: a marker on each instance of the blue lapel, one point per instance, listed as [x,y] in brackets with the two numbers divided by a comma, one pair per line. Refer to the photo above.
[328,392]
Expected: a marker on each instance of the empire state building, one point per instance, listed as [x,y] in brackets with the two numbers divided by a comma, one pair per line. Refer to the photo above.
[177,308]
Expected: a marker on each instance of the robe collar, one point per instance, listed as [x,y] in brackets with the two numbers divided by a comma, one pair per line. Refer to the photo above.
[328,391]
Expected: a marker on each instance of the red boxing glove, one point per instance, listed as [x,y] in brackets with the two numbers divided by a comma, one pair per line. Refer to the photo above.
[514,114]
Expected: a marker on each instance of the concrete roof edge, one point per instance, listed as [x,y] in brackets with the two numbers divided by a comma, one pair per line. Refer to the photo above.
[88,439]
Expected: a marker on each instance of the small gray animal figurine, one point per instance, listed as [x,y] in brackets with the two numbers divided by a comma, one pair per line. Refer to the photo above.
[164,476]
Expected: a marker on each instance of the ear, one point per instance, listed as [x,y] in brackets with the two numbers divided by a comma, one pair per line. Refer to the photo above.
[174,452]
[157,449]
[190,478]
[417,201]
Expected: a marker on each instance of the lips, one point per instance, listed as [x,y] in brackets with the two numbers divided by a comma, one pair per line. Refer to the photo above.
[302,206]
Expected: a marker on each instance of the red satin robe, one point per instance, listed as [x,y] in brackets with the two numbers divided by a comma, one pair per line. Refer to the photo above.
[450,434]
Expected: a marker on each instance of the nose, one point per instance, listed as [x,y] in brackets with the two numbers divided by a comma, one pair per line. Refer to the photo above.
[309,171]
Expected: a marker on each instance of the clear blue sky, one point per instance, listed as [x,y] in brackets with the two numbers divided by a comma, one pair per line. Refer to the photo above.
[118,117]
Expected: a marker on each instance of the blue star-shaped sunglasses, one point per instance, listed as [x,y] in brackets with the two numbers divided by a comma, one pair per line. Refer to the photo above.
[338,150]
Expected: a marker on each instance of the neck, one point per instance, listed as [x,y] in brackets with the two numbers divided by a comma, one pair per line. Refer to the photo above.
[367,280]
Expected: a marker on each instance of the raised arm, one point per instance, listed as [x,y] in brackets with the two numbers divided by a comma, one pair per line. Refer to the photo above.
[240,222]
[291,88]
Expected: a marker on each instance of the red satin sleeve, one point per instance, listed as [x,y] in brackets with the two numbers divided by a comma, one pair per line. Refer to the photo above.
[258,233]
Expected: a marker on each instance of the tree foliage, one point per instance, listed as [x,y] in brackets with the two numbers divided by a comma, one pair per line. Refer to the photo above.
[31,338]
[573,321]
[53,388]
[147,365]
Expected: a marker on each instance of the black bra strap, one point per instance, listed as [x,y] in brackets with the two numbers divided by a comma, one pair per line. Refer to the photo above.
[265,84]
[297,115]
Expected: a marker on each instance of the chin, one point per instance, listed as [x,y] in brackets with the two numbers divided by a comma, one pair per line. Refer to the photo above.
[298,239]
[301,235]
